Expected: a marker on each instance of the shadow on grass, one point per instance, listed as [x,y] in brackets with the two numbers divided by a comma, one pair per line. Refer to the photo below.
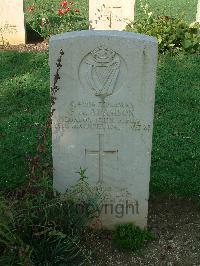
[24,106]
[21,63]
[24,82]
[176,142]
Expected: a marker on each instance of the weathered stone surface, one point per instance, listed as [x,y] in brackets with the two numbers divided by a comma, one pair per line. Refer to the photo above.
[110,14]
[12,29]
[104,118]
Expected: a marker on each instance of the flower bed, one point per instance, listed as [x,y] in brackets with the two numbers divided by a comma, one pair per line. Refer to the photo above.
[49,19]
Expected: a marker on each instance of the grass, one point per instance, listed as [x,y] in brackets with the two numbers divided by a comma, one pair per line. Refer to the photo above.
[24,105]
[24,95]
[170,8]
[176,143]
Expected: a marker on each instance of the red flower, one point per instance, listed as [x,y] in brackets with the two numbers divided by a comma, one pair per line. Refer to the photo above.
[76,10]
[60,12]
[64,3]
[30,8]
[68,10]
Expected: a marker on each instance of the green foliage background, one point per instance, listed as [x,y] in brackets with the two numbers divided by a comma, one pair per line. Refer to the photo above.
[170,8]
[185,8]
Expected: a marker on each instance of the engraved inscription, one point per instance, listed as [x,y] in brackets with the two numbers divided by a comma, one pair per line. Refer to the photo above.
[121,195]
[12,22]
[107,116]
[8,28]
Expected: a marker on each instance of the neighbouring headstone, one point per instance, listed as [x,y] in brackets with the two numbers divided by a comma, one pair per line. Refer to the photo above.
[110,14]
[103,119]
[12,24]
[198,12]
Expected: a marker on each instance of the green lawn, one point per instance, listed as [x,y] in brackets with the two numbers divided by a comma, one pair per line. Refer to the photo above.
[172,8]
[24,105]
[176,142]
[24,96]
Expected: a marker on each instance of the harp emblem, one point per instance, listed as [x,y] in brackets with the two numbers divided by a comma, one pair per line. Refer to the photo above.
[103,71]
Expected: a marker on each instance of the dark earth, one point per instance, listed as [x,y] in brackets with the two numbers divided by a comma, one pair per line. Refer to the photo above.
[176,223]
[29,47]
[34,43]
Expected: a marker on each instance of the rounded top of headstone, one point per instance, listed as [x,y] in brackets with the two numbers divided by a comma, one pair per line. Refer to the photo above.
[106,33]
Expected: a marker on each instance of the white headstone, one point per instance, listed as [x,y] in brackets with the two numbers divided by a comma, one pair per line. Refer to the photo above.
[12,29]
[103,118]
[110,14]
[198,12]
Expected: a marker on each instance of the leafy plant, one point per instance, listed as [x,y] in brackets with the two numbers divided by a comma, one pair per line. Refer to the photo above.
[53,18]
[173,34]
[129,236]
[55,248]
[40,229]
[13,250]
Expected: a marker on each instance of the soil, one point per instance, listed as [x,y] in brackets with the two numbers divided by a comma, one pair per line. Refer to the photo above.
[30,47]
[176,222]
[35,43]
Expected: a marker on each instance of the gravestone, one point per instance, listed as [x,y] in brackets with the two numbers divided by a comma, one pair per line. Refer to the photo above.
[12,25]
[110,14]
[198,12]
[103,119]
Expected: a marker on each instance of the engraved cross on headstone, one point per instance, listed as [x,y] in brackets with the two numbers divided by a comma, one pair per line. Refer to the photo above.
[110,13]
[101,155]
